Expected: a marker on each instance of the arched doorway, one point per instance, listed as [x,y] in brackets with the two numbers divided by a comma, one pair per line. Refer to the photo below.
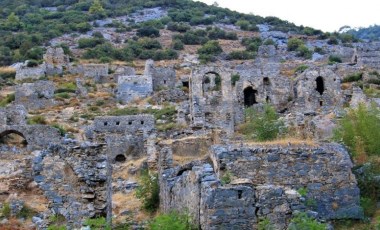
[320,85]
[13,138]
[249,96]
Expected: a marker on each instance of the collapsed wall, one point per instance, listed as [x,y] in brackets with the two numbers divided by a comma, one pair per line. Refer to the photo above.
[265,184]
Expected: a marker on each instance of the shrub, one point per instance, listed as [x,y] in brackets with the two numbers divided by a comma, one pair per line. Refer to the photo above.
[302,222]
[209,50]
[63,95]
[6,210]
[261,126]
[251,44]
[334,59]
[234,78]
[177,44]
[269,42]
[333,41]
[171,221]
[353,77]
[294,43]
[89,42]
[240,55]
[148,191]
[359,131]
[180,27]
[265,224]
[32,63]
[303,51]
[226,178]
[37,120]
[148,31]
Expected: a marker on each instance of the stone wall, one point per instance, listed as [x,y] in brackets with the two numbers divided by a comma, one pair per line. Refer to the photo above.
[133,87]
[368,54]
[124,124]
[73,179]
[95,71]
[37,95]
[265,184]
[55,60]
[24,72]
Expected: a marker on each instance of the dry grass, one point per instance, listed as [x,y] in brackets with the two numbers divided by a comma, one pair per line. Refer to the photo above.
[128,201]
[231,45]
[7,70]
[181,160]
[122,171]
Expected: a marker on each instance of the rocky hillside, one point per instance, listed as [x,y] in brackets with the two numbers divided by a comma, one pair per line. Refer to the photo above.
[149,115]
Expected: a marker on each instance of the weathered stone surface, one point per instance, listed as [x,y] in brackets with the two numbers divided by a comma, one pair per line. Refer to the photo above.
[55,60]
[23,72]
[37,95]
[133,87]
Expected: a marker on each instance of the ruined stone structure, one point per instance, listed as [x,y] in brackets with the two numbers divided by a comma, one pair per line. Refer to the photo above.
[73,178]
[23,72]
[317,89]
[163,77]
[127,136]
[13,121]
[131,88]
[96,71]
[368,54]
[265,183]
[37,95]
[55,61]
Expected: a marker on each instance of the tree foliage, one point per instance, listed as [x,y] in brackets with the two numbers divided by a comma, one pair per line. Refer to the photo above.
[148,191]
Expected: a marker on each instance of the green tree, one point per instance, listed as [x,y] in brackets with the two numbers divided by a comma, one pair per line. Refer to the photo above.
[294,43]
[148,191]
[13,22]
[97,9]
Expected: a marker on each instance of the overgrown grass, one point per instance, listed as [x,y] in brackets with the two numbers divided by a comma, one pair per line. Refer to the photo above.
[301,68]
[7,100]
[303,222]
[37,120]
[7,73]
[97,223]
[353,77]
[359,131]
[60,128]
[172,221]
[167,112]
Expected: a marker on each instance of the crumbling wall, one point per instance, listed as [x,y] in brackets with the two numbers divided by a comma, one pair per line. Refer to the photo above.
[125,124]
[96,71]
[368,54]
[55,60]
[37,95]
[317,90]
[130,88]
[265,184]
[23,72]
[73,179]
[163,77]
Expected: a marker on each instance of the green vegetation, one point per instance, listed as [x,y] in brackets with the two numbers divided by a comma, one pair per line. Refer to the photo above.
[148,191]
[294,43]
[262,125]
[68,87]
[97,223]
[252,44]
[234,78]
[269,42]
[302,222]
[35,120]
[226,178]
[265,224]
[63,95]
[353,77]
[171,221]
[301,68]
[302,191]
[8,99]
[240,55]
[60,128]
[7,73]
[334,59]
[177,44]
[359,131]
[6,210]
[209,51]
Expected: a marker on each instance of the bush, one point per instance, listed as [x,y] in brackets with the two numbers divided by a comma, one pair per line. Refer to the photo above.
[177,44]
[179,27]
[226,178]
[6,210]
[302,222]
[32,63]
[148,191]
[333,41]
[209,50]
[353,77]
[60,128]
[294,43]
[334,59]
[261,126]
[252,44]
[303,51]
[359,131]
[240,55]
[171,221]
[265,224]
[89,42]
[148,31]
[269,42]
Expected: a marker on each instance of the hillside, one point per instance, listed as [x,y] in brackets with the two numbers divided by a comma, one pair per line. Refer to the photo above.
[371,33]
[173,114]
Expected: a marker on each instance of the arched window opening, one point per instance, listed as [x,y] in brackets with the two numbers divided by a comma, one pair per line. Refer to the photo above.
[120,158]
[13,138]
[320,85]
[211,82]
[249,96]
[266,81]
